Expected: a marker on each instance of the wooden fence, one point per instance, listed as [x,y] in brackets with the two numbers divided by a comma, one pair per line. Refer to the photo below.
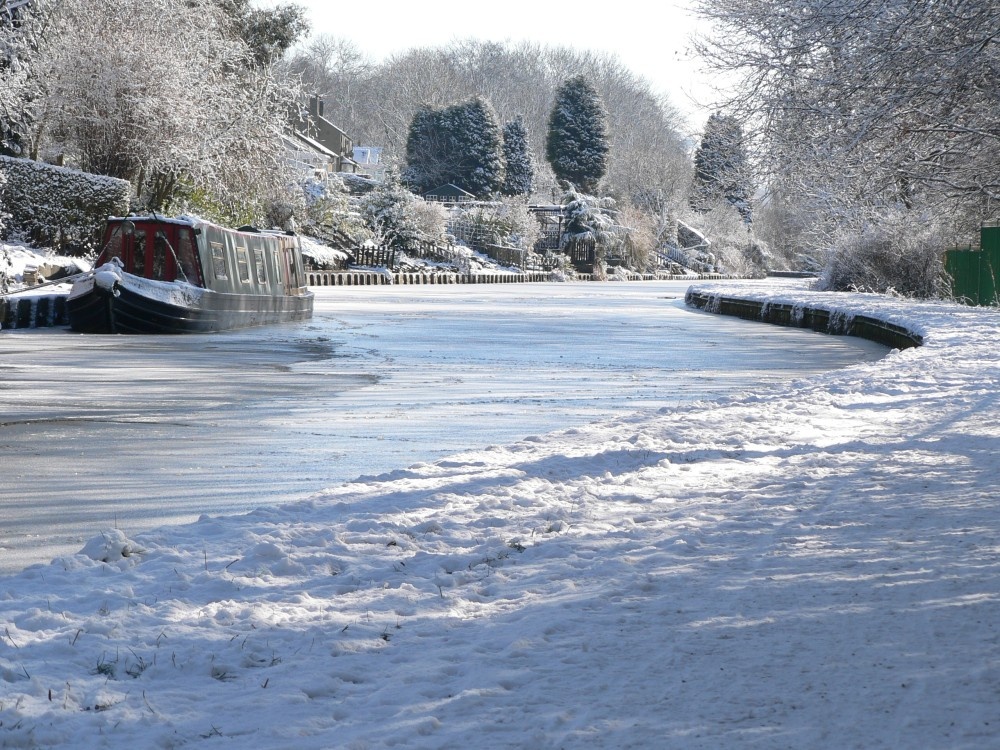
[367,278]
[379,257]
[388,257]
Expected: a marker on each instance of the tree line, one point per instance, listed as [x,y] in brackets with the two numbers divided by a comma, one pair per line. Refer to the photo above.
[647,139]
[860,139]
[570,126]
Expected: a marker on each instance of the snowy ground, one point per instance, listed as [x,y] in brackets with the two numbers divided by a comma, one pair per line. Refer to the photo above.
[810,567]
[15,258]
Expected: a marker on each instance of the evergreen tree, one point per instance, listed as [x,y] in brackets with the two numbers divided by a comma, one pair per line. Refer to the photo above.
[426,148]
[519,178]
[577,143]
[267,32]
[461,144]
[479,139]
[721,167]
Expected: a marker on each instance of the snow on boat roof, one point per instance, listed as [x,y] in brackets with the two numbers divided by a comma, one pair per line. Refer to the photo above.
[185,220]
[194,221]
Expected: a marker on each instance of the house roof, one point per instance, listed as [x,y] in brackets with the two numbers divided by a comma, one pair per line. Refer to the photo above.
[313,144]
[450,190]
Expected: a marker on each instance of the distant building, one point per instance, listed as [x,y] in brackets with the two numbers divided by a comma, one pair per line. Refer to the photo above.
[449,193]
[315,146]
[369,161]
[308,157]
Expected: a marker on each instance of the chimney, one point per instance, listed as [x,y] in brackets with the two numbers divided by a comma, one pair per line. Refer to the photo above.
[315,106]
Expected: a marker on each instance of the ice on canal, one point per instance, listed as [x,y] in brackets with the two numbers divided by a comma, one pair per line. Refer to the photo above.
[130,432]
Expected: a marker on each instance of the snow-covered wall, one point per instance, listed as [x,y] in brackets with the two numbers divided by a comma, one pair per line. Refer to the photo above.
[36,311]
[824,314]
[58,207]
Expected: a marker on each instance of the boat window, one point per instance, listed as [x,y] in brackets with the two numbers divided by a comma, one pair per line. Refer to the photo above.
[160,251]
[186,257]
[139,252]
[243,264]
[219,261]
[259,267]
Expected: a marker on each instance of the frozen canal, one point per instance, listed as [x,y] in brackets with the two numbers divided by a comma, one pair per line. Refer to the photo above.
[137,431]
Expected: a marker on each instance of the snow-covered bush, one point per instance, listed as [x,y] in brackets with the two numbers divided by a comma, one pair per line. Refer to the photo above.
[398,218]
[588,220]
[899,253]
[622,237]
[320,209]
[323,256]
[430,220]
[785,226]
[638,238]
[59,207]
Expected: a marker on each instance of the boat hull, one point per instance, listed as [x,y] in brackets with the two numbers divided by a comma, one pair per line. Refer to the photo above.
[132,305]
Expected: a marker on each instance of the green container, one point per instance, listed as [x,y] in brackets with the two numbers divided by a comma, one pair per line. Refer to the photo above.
[974,273]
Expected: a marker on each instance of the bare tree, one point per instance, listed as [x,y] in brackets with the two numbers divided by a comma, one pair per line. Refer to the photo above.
[334,69]
[156,92]
[897,99]
[863,109]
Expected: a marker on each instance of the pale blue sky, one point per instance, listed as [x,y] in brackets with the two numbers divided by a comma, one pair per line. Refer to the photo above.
[651,39]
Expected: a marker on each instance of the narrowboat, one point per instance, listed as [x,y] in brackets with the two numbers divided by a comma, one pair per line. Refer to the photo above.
[185,275]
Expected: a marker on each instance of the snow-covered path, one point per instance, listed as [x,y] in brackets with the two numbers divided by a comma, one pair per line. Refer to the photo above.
[815,567]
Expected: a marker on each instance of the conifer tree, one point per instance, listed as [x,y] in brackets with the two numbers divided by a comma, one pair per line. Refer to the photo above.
[461,144]
[480,142]
[577,144]
[721,169]
[519,178]
[426,151]
[267,32]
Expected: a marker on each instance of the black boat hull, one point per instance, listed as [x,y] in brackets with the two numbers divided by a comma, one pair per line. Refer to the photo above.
[125,308]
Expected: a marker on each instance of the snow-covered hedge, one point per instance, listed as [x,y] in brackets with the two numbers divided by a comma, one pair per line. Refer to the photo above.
[59,207]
